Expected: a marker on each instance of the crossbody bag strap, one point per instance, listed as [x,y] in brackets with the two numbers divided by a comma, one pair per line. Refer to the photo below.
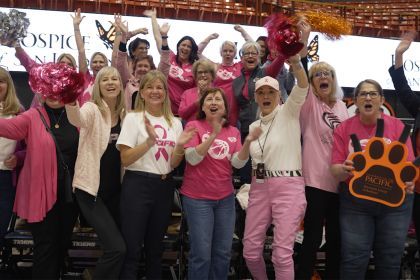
[60,155]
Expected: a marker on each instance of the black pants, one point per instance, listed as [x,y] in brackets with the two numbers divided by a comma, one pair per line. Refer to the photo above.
[52,237]
[146,205]
[416,215]
[7,198]
[322,206]
[111,241]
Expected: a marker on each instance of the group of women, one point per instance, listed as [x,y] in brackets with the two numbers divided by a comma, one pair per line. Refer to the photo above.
[121,140]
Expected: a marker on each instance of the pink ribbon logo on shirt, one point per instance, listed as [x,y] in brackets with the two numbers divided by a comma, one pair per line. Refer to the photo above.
[161,150]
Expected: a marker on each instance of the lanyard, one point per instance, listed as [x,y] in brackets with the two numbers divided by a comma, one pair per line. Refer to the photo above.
[265,140]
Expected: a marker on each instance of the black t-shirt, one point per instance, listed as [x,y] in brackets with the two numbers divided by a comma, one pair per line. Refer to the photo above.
[67,137]
[110,170]
[133,99]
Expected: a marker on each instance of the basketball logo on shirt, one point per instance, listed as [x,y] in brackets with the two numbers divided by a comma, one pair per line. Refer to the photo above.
[219,149]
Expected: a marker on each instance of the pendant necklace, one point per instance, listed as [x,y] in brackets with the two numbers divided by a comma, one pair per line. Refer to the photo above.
[59,118]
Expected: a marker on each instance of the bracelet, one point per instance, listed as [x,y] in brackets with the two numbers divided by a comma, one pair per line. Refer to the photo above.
[179,154]
[77,29]
[118,33]
[164,36]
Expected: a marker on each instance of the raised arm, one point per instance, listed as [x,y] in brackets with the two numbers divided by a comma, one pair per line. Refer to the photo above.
[164,63]
[120,61]
[409,99]
[24,58]
[82,118]
[77,19]
[402,47]
[243,32]
[203,44]
[117,40]
[155,27]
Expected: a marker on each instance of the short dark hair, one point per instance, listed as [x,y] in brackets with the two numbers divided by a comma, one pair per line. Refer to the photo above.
[134,44]
[201,115]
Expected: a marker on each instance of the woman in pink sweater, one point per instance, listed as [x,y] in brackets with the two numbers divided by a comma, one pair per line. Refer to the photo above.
[40,199]
[204,74]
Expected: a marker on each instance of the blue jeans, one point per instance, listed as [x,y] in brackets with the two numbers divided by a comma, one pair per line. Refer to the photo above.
[369,226]
[7,198]
[211,224]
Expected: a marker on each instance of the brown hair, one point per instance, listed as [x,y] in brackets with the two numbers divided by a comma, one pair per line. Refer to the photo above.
[367,81]
[201,115]
[149,59]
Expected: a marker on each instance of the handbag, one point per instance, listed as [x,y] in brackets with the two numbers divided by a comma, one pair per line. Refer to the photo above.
[68,188]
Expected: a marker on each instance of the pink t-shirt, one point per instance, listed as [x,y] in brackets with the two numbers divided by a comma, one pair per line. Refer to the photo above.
[342,146]
[212,177]
[188,107]
[224,77]
[180,78]
[318,121]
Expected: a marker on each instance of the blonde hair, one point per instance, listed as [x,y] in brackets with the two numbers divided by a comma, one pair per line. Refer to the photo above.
[97,94]
[11,104]
[69,57]
[336,91]
[207,65]
[148,78]
[100,54]
[228,43]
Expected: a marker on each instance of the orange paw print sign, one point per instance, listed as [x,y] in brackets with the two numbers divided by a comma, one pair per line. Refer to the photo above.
[381,170]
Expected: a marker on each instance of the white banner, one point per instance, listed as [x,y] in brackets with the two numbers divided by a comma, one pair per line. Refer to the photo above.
[355,58]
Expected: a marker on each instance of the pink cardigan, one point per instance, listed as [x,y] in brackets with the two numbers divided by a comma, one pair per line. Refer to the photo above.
[36,191]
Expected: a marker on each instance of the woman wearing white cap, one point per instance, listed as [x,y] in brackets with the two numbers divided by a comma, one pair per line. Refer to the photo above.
[277,194]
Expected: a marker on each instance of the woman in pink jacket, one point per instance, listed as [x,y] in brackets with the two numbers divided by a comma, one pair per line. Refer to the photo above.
[40,193]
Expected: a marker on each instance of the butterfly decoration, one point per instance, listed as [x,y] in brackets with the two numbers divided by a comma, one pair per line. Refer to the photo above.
[313,50]
[107,37]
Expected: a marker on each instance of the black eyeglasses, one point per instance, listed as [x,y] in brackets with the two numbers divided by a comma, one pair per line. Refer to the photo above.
[372,94]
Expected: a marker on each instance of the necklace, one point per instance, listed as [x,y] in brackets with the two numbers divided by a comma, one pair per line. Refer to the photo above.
[59,118]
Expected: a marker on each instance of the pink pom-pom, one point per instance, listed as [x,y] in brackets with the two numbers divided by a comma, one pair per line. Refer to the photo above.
[56,81]
[283,37]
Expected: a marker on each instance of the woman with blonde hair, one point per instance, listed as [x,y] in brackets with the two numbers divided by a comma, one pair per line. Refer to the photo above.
[9,108]
[151,145]
[321,113]
[98,167]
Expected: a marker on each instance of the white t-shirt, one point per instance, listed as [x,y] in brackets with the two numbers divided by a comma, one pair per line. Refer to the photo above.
[157,159]
[7,147]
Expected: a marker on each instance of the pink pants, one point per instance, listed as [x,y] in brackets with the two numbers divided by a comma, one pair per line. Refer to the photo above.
[279,201]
